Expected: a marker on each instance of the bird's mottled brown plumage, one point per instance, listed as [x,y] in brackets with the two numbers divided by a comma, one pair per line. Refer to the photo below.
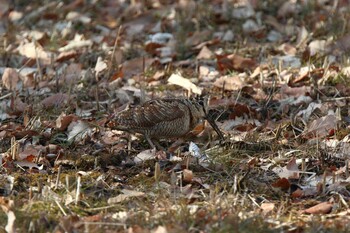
[162,118]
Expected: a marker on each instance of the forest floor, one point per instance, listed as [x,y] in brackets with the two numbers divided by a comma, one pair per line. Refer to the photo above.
[277,74]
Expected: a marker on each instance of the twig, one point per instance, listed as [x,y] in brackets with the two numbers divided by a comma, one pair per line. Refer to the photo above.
[5,96]
[58,176]
[37,60]
[60,207]
[337,99]
[77,195]
[113,52]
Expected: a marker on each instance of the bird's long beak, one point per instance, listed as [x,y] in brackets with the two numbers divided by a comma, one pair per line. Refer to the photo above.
[215,127]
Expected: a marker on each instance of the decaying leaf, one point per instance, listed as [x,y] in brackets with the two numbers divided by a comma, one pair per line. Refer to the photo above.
[78,130]
[321,127]
[290,171]
[144,156]
[235,62]
[177,79]
[63,121]
[55,100]
[126,194]
[32,50]
[321,208]
[11,79]
[267,207]
[187,175]
[229,83]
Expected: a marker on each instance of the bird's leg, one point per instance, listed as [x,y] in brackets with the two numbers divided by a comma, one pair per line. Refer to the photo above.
[154,144]
[150,142]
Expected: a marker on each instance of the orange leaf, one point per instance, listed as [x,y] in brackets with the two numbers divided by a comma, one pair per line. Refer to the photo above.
[282,183]
[235,62]
[321,208]
[297,193]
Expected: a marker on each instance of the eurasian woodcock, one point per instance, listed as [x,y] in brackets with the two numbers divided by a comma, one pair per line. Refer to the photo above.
[164,118]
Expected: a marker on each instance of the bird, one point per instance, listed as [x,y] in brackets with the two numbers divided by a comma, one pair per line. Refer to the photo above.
[164,118]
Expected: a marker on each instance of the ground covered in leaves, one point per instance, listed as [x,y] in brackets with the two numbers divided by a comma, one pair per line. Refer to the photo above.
[277,74]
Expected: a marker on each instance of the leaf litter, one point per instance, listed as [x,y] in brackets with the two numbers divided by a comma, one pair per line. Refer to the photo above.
[277,79]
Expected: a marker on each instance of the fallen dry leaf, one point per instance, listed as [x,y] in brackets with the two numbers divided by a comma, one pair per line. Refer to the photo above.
[321,127]
[205,53]
[267,207]
[126,194]
[235,62]
[177,79]
[197,37]
[56,100]
[63,121]
[10,79]
[321,208]
[78,130]
[290,171]
[230,83]
[187,175]
[136,66]
[144,156]
[282,183]
[160,229]
[288,49]
[65,56]
[72,73]
[32,50]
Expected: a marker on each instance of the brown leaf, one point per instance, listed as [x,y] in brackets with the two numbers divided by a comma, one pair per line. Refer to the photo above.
[158,75]
[18,106]
[4,7]
[65,56]
[229,83]
[187,176]
[55,100]
[32,50]
[321,127]
[152,47]
[342,44]
[245,127]
[135,66]
[287,8]
[267,207]
[321,208]
[287,91]
[72,73]
[25,133]
[305,76]
[197,37]
[63,121]
[297,193]
[282,183]
[10,79]
[126,194]
[177,79]
[93,218]
[205,53]
[290,171]
[240,110]
[235,62]
[252,162]
[288,49]
[292,165]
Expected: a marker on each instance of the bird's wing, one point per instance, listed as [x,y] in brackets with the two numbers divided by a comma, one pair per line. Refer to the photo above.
[151,113]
